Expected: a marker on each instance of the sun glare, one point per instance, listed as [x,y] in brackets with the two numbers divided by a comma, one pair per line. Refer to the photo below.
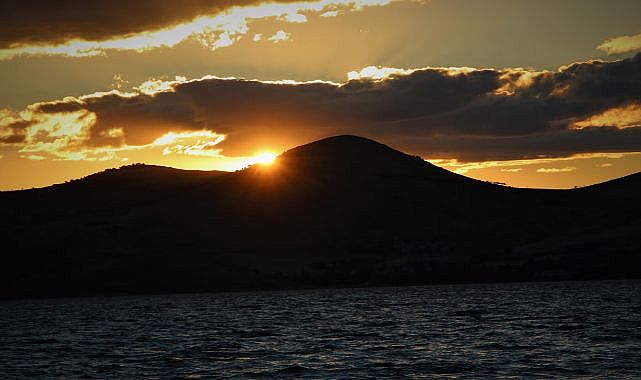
[265,158]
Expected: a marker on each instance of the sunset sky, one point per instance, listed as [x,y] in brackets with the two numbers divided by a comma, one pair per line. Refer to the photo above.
[532,93]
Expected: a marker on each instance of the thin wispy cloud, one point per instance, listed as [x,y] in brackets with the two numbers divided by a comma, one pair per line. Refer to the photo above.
[515,166]
[556,170]
[512,170]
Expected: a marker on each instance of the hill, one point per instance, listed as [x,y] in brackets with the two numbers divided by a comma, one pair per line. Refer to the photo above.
[343,211]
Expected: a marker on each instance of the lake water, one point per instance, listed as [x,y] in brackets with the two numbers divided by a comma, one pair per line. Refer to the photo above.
[526,330]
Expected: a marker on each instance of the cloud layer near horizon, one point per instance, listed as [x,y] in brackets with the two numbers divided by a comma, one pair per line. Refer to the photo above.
[453,113]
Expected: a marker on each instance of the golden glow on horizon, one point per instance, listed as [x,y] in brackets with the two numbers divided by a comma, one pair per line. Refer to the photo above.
[265,158]
[320,42]
[463,167]
[552,173]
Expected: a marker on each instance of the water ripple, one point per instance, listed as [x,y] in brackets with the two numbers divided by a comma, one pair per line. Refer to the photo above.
[586,330]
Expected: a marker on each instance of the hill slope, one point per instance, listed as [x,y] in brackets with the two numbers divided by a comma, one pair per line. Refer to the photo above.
[343,211]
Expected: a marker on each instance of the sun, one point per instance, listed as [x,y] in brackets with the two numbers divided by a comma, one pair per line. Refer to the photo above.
[265,158]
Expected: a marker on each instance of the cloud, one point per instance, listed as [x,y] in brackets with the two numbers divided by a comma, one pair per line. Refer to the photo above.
[462,167]
[13,127]
[329,14]
[625,116]
[34,157]
[33,22]
[198,143]
[622,44]
[376,73]
[280,35]
[34,27]
[556,170]
[512,170]
[467,114]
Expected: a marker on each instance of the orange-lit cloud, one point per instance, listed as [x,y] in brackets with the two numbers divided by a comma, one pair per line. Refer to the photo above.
[625,116]
[622,44]
[34,157]
[214,24]
[512,170]
[471,115]
[516,166]
[556,170]
[198,143]
[518,79]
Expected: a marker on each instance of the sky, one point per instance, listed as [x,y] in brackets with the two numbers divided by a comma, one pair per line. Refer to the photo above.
[530,93]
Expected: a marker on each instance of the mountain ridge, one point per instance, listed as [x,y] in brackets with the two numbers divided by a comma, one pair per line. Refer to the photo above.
[343,211]
[314,150]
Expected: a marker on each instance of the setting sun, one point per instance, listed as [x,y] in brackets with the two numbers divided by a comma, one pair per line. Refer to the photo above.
[265,158]
[260,170]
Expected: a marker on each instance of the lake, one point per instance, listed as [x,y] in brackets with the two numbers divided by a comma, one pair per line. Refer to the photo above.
[523,330]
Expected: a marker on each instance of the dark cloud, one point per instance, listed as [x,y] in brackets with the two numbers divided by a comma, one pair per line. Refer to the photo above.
[560,143]
[12,139]
[14,132]
[434,112]
[26,22]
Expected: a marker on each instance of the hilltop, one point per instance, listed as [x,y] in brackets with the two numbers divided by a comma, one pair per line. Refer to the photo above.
[342,211]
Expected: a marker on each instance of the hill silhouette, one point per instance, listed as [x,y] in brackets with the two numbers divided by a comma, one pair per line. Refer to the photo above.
[342,211]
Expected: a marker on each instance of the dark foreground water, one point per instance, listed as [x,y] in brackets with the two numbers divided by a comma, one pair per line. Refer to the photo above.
[525,330]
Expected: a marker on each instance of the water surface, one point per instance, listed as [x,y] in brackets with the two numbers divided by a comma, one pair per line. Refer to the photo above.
[528,330]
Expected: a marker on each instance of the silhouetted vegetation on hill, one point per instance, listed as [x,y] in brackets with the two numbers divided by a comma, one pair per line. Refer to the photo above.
[343,211]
